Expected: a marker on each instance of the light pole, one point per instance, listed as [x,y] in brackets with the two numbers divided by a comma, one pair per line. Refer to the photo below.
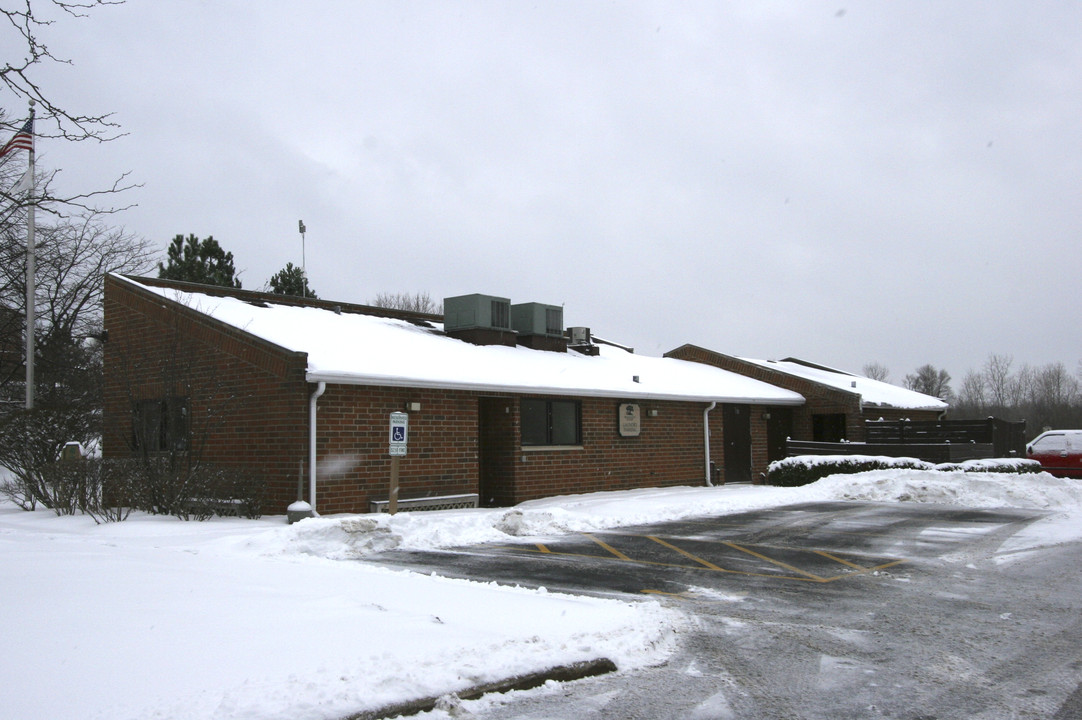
[300,226]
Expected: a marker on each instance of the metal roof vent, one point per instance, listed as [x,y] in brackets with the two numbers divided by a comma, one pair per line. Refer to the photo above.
[479,319]
[539,326]
[579,340]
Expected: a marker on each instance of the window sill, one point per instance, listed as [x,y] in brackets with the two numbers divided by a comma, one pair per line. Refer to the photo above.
[546,448]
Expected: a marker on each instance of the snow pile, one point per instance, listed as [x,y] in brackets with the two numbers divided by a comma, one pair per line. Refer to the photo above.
[1038,491]
[357,536]
[157,618]
[353,537]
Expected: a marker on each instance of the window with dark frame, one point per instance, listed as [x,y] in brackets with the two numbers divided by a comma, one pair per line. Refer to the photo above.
[551,422]
[160,425]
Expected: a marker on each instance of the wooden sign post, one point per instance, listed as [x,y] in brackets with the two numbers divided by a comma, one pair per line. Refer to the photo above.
[399,435]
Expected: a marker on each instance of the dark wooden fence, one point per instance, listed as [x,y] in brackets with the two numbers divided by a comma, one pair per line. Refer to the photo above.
[1008,439]
[929,452]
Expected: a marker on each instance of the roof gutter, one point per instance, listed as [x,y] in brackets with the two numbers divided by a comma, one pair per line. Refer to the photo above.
[336,378]
[320,389]
[706,441]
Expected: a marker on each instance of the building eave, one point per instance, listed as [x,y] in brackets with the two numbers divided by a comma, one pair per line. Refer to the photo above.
[334,378]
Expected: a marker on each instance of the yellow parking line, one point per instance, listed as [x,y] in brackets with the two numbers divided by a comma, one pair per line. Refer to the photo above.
[683,596]
[772,576]
[835,558]
[685,553]
[610,548]
[771,560]
[804,575]
[864,571]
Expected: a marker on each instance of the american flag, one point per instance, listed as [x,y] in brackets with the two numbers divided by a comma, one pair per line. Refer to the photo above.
[23,140]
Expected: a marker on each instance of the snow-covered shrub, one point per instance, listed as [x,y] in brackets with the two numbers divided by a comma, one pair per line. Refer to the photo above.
[805,469]
[994,465]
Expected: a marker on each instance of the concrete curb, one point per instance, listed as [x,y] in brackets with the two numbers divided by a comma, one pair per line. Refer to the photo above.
[562,673]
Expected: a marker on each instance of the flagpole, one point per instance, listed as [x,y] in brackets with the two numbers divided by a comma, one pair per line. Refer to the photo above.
[31,290]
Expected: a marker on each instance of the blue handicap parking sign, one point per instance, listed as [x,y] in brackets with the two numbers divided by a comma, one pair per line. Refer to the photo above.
[399,435]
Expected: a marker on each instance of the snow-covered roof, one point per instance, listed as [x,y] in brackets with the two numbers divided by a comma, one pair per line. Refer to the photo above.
[872,392]
[362,349]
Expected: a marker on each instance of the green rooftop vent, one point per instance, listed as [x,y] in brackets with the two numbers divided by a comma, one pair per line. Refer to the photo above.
[537,319]
[469,312]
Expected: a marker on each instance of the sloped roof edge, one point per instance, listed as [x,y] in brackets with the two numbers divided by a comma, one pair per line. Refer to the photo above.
[391,381]
[369,348]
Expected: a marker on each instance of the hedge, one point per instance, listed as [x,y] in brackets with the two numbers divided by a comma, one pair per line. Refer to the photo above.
[806,469]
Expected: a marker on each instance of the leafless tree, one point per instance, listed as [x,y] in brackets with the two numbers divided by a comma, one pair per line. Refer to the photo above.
[22,27]
[1043,396]
[876,371]
[972,396]
[418,302]
[997,374]
[930,381]
[73,256]
[24,55]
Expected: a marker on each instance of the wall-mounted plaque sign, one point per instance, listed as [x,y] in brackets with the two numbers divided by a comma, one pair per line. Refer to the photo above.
[629,420]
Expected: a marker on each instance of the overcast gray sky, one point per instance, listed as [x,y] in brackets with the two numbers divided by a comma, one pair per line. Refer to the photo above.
[882,181]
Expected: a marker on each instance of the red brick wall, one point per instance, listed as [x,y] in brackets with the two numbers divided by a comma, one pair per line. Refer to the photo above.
[354,467]
[668,451]
[250,403]
[247,398]
[444,448]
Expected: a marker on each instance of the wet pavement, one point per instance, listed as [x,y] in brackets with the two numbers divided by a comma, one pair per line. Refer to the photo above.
[806,543]
[815,611]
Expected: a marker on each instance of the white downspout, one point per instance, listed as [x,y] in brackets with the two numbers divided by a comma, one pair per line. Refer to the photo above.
[320,388]
[706,441]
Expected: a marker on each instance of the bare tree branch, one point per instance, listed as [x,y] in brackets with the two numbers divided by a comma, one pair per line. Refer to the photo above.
[26,23]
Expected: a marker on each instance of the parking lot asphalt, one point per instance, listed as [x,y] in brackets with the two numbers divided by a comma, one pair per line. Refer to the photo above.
[814,543]
[822,611]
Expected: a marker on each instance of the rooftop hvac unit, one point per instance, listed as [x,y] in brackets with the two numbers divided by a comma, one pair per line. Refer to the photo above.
[537,319]
[579,335]
[469,312]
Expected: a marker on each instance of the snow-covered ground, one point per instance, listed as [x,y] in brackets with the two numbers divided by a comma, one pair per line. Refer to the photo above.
[158,618]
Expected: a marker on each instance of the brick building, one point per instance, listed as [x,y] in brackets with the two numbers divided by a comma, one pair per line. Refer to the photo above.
[836,402]
[501,402]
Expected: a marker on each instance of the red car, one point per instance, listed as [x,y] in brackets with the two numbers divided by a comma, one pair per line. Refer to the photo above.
[1059,451]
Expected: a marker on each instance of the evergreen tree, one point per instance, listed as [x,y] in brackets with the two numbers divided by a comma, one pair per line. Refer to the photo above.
[291,280]
[198,261]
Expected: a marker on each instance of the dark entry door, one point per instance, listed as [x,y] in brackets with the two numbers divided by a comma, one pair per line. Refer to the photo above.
[496,451]
[778,428]
[737,430]
[828,427]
